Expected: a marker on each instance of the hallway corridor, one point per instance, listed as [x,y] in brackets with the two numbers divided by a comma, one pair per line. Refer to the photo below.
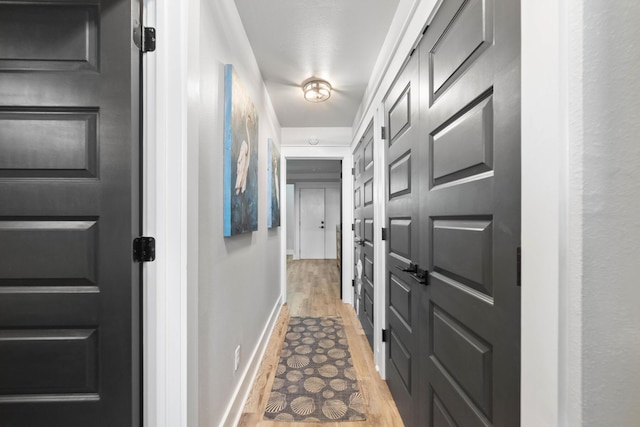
[313,290]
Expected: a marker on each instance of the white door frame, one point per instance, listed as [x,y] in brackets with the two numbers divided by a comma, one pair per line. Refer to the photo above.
[170,327]
[326,153]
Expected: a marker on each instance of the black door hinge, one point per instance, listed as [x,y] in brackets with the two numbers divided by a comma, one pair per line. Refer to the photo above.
[353,171]
[383,132]
[384,233]
[353,227]
[385,335]
[519,264]
[148,39]
[144,249]
[353,282]
[144,38]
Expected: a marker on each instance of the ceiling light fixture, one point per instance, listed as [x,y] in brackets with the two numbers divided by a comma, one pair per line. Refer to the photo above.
[316,90]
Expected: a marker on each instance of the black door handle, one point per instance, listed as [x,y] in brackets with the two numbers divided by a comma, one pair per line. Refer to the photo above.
[411,269]
[419,275]
[322,226]
[359,242]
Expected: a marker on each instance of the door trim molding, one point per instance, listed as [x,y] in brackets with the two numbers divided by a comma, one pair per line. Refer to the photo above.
[170,387]
[329,153]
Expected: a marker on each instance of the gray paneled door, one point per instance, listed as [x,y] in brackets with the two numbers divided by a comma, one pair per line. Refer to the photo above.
[69,209]
[466,319]
[404,289]
[364,244]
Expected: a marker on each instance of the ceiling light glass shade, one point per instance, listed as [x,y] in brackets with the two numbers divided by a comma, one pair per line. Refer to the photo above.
[317,91]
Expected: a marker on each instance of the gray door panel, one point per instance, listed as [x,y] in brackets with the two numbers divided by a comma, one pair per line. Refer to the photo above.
[69,192]
[403,292]
[453,207]
[364,230]
[471,211]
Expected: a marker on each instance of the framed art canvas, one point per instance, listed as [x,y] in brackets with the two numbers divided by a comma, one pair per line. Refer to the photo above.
[273,185]
[240,157]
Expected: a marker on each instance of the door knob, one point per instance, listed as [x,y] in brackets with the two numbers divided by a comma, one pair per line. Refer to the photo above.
[322,226]
[359,242]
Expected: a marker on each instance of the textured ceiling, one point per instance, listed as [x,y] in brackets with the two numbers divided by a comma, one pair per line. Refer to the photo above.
[336,40]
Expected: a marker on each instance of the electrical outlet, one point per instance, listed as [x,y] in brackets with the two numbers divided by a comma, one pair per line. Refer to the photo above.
[236,363]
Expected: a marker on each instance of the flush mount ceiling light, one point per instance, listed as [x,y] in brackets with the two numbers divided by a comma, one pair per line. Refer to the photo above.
[316,90]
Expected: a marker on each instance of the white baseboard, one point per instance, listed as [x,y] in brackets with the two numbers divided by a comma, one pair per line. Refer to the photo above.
[240,395]
[290,252]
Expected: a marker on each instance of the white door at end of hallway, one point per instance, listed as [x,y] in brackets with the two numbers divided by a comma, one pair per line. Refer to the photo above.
[312,223]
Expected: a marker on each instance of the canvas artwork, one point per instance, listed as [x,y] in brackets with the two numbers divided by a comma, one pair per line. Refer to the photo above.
[240,157]
[273,196]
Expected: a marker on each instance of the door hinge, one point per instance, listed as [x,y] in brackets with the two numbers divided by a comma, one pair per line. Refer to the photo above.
[353,282]
[144,38]
[384,233]
[148,39]
[144,249]
[383,133]
[519,264]
[353,227]
[385,335]
[353,171]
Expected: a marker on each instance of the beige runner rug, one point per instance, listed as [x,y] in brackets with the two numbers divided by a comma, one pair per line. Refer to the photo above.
[315,379]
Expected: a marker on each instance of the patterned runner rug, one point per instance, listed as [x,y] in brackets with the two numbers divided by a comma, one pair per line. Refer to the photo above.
[315,378]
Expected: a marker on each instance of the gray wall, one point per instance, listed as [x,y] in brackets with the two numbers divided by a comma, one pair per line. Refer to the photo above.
[611,214]
[238,277]
[580,210]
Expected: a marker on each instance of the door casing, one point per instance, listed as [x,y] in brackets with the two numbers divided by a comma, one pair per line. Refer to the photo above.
[342,153]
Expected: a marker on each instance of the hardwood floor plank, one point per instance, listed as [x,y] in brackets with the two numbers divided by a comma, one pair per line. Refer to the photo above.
[313,289]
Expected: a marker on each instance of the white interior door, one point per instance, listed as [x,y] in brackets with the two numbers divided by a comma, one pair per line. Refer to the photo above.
[312,223]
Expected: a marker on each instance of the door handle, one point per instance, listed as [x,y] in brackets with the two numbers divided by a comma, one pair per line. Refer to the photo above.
[419,275]
[359,242]
[411,269]
[322,226]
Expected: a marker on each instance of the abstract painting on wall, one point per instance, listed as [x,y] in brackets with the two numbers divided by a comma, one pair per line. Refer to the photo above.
[273,180]
[240,157]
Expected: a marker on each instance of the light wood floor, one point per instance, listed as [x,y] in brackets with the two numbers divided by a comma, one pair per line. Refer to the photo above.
[313,290]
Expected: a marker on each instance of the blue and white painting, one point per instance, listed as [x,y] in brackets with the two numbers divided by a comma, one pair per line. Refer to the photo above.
[240,157]
[273,181]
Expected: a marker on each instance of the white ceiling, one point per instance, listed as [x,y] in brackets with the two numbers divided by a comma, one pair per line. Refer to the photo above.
[336,40]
